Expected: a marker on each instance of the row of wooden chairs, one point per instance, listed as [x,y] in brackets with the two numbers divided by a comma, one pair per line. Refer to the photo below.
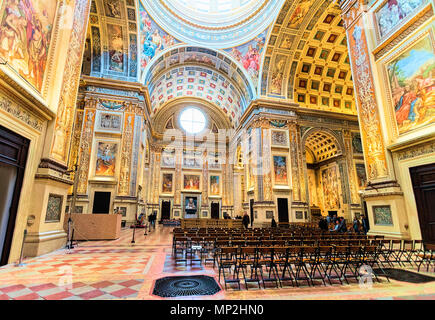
[280,265]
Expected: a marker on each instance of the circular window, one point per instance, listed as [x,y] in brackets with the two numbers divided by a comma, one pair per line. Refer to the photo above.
[192,120]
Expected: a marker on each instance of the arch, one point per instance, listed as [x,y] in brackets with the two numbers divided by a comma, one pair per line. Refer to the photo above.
[323,143]
[172,109]
[182,54]
[307,58]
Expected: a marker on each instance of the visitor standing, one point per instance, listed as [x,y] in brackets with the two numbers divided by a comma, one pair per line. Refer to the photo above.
[246,220]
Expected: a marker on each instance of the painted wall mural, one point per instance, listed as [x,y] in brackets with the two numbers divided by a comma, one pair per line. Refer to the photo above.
[191,182]
[361,175]
[412,84]
[369,117]
[106,159]
[299,14]
[116,47]
[280,170]
[249,55]
[153,39]
[167,182]
[25,36]
[330,188]
[215,187]
[393,12]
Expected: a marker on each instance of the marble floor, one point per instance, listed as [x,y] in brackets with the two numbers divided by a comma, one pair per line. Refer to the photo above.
[119,269]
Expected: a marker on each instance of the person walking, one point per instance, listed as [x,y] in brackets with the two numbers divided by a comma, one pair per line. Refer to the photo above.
[365,224]
[246,220]
[356,225]
[273,222]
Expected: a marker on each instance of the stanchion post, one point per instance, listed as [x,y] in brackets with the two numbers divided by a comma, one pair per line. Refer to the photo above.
[20,262]
[134,231]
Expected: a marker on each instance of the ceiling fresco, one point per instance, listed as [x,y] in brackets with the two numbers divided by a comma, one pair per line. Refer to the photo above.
[306,58]
[219,24]
[300,54]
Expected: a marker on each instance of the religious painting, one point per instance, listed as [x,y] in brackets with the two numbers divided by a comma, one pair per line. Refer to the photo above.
[356,143]
[152,38]
[191,205]
[330,188]
[106,159]
[277,74]
[191,182]
[382,215]
[393,12]
[299,14]
[280,169]
[249,54]
[25,36]
[299,215]
[168,160]
[411,76]
[361,174]
[279,138]
[122,211]
[109,122]
[113,9]
[54,208]
[215,187]
[116,47]
[167,182]
[192,163]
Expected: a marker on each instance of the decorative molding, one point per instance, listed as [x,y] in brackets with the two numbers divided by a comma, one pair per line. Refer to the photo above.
[416,151]
[21,113]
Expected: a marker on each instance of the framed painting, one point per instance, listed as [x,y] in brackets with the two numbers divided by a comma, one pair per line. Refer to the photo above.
[54,208]
[168,159]
[106,159]
[382,215]
[279,138]
[394,13]
[280,170]
[410,75]
[109,122]
[25,37]
[215,185]
[192,182]
[192,162]
[167,182]
[116,47]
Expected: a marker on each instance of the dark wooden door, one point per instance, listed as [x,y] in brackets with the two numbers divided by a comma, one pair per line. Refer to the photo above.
[423,182]
[215,210]
[166,210]
[101,202]
[13,158]
[283,210]
[251,208]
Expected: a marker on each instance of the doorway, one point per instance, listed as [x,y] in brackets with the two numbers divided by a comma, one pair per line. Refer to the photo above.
[13,157]
[423,183]
[215,210]
[101,202]
[251,209]
[283,210]
[166,210]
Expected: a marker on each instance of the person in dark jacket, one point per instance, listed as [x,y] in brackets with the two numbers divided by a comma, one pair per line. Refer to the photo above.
[342,227]
[365,224]
[273,222]
[246,220]
[356,225]
[323,224]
